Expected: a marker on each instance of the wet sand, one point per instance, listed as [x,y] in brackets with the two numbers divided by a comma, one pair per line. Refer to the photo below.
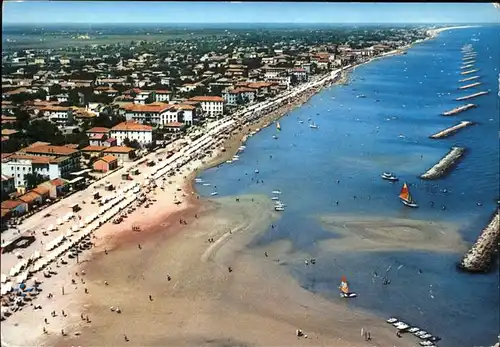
[370,233]
[257,304]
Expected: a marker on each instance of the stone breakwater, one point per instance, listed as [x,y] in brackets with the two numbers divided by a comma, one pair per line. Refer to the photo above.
[480,256]
[445,164]
[451,130]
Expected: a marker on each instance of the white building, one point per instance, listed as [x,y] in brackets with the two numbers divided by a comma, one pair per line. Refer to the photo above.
[58,114]
[163,96]
[238,96]
[143,134]
[156,113]
[18,166]
[213,106]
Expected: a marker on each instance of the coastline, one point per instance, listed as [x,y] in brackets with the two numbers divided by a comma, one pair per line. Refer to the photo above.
[161,221]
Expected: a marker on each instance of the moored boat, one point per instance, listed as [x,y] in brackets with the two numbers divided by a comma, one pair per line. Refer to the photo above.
[344,289]
[389,176]
[406,197]
[313,126]
[214,193]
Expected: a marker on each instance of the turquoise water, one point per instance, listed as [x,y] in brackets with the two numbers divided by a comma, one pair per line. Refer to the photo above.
[358,139]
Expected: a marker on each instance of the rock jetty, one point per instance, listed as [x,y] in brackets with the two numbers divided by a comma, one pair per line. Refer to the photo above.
[451,130]
[480,256]
[459,109]
[445,164]
[471,96]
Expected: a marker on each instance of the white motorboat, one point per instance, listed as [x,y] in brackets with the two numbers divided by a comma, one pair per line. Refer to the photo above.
[361,96]
[402,326]
[214,193]
[275,198]
[301,121]
[276,192]
[198,180]
[401,136]
[242,148]
[207,184]
[392,320]
[313,126]
[425,336]
[229,162]
[389,176]
[275,137]
[413,330]
[236,158]
[426,344]
[277,208]
[256,171]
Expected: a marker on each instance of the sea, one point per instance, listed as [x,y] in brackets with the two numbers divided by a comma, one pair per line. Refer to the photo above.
[388,130]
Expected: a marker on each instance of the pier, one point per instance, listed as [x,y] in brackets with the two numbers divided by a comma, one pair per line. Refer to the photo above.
[452,130]
[471,96]
[470,85]
[469,72]
[459,109]
[445,164]
[480,256]
[469,79]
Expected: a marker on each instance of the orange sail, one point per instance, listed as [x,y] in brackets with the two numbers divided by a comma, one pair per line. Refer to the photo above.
[405,193]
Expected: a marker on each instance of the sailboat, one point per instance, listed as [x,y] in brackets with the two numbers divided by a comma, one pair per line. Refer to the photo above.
[406,197]
[344,289]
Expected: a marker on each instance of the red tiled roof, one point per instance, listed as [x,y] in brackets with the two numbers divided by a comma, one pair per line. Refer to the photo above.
[98,130]
[29,197]
[11,204]
[207,99]
[156,107]
[51,150]
[118,149]
[108,158]
[132,126]
[94,149]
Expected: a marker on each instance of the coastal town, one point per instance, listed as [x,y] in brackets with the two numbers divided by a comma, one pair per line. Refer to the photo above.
[105,139]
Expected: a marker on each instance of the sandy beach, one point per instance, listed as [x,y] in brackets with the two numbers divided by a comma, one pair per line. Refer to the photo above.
[174,287]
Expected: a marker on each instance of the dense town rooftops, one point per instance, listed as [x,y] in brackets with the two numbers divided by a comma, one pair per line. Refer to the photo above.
[94,148]
[108,158]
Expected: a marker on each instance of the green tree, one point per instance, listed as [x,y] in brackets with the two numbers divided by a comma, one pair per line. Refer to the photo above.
[55,89]
[294,80]
[34,179]
[73,98]
[22,119]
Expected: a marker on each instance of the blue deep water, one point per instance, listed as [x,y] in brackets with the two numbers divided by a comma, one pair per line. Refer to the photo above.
[357,140]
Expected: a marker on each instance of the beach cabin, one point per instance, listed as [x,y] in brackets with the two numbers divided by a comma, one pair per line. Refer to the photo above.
[43,191]
[106,163]
[32,199]
[16,207]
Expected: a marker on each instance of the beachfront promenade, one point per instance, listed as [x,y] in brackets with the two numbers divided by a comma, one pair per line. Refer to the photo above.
[56,216]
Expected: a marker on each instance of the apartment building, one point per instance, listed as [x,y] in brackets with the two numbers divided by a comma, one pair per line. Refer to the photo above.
[213,106]
[143,134]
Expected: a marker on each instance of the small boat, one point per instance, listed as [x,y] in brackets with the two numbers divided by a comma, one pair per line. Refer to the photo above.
[389,176]
[425,336]
[313,126]
[426,344]
[275,198]
[344,289]
[402,326]
[413,330]
[198,180]
[276,191]
[229,161]
[256,171]
[361,96]
[279,204]
[279,208]
[401,136]
[278,126]
[406,197]
[206,184]
[275,137]
[214,193]
[301,121]
[392,320]
[236,158]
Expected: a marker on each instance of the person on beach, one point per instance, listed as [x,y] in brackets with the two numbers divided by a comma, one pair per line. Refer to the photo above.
[150,298]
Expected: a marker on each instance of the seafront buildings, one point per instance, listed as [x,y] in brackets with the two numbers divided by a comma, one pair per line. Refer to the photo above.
[74,113]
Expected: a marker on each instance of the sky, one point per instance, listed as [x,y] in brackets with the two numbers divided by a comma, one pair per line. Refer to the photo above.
[245,12]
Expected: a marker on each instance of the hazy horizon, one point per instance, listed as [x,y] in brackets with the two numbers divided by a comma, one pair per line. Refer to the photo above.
[135,12]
